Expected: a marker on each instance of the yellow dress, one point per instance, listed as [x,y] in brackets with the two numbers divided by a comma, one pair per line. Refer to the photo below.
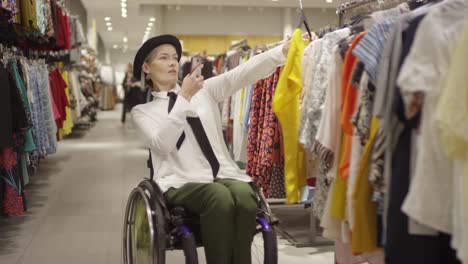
[364,233]
[286,108]
[338,203]
[68,123]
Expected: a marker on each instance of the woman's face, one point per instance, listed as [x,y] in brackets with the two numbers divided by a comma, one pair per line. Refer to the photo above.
[163,66]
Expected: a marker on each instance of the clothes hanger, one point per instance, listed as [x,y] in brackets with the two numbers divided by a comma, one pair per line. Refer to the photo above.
[303,19]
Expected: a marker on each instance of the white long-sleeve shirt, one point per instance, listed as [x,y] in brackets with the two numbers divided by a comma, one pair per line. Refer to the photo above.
[161,131]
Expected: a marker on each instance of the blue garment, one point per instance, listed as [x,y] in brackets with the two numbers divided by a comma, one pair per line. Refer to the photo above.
[247,104]
[48,113]
[369,49]
[37,110]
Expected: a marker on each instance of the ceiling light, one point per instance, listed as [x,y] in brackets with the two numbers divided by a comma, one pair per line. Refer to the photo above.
[177,7]
[150,24]
[107,18]
[148,29]
[110,28]
[116,46]
[124,1]
[123,4]
[124,10]
[152,19]
[329,1]
[124,15]
[278,0]
[125,39]
[109,24]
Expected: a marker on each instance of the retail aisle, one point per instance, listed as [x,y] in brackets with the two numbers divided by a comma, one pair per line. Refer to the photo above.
[77,198]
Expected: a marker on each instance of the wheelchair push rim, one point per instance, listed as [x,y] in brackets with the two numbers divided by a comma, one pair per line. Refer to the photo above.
[130,248]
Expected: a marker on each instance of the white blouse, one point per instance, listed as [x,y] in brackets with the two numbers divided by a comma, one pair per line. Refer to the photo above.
[161,131]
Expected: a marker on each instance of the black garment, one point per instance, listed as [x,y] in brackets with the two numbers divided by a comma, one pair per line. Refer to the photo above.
[6,118]
[133,96]
[400,246]
[13,117]
[200,135]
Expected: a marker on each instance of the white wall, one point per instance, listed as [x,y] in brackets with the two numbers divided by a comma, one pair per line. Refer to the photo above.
[320,17]
[224,21]
[193,20]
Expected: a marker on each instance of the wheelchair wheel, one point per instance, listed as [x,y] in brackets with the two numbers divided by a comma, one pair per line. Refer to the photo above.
[264,245]
[143,234]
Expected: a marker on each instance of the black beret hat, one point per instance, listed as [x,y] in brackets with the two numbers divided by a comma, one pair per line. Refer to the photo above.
[149,46]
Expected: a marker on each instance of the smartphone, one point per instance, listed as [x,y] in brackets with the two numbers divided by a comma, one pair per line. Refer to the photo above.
[196,61]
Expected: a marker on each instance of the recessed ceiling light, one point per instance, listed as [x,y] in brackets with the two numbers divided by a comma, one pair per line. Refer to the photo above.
[329,1]
[124,1]
[116,46]
[110,28]
[152,19]
[123,4]
[124,10]
[107,18]
[150,24]
[275,0]
[125,39]
[148,29]
[124,15]
[108,24]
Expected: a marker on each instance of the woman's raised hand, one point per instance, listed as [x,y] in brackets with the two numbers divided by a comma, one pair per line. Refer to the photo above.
[192,83]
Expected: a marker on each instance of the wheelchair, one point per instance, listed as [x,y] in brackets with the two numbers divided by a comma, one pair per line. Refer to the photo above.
[152,227]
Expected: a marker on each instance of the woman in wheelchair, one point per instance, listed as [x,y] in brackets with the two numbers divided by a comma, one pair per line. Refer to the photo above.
[182,128]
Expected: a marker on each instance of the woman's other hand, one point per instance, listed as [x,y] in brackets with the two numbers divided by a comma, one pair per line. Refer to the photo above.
[192,83]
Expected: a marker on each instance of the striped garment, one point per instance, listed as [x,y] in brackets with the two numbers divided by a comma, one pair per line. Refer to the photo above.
[369,49]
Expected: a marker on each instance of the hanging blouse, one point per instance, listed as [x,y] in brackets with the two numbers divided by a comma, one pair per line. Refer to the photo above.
[423,71]
[29,142]
[68,123]
[286,107]
[58,87]
[313,104]
[264,158]
[40,15]
[49,22]
[348,104]
[365,210]
[28,14]
[451,119]
[11,6]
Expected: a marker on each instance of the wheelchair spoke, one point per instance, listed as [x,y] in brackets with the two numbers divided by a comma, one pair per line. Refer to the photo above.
[257,248]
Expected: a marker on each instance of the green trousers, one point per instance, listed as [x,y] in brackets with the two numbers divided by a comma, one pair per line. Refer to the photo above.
[227,210]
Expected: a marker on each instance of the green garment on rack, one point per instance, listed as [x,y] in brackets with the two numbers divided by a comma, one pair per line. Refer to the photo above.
[29,145]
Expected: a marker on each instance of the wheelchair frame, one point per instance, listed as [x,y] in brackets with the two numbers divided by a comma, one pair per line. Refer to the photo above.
[170,227]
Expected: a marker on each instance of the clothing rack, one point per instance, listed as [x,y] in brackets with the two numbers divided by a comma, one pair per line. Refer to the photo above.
[239,44]
[303,19]
[364,6]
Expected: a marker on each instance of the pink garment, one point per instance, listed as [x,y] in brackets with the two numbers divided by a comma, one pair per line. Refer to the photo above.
[8,158]
[343,255]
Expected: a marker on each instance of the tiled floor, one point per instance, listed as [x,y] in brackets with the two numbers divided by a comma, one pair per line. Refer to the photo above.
[77,198]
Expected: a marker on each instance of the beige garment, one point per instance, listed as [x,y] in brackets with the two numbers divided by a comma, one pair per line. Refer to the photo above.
[451,121]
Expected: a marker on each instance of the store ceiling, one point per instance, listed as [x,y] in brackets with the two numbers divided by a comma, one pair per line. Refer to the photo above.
[133,26]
